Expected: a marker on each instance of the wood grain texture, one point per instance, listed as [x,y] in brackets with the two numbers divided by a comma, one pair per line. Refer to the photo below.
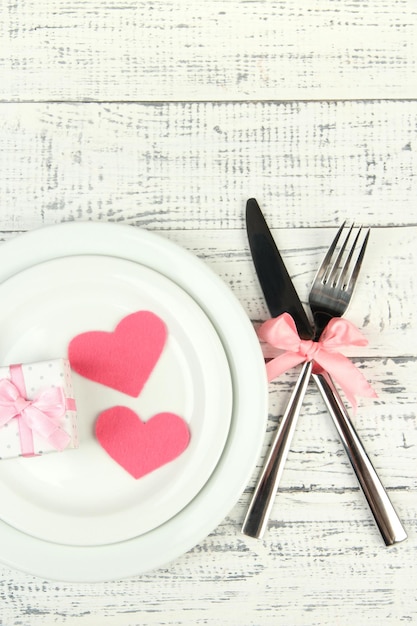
[212,50]
[307,572]
[193,165]
[168,115]
[385,301]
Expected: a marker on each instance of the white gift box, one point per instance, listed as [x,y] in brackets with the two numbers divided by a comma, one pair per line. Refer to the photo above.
[37,409]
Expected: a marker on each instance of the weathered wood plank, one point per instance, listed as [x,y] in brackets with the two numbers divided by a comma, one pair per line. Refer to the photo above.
[236,76]
[193,166]
[172,50]
[386,426]
[313,564]
[385,301]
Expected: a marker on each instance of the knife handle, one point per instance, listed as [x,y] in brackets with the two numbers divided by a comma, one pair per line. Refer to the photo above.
[257,517]
[384,513]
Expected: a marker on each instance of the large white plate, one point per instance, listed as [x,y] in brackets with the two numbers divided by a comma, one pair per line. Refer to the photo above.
[82,497]
[250,401]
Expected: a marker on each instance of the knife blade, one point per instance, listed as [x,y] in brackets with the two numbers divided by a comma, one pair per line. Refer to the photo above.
[277,286]
[279,301]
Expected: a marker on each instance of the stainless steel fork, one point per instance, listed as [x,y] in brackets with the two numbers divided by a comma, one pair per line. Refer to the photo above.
[330,296]
[335,281]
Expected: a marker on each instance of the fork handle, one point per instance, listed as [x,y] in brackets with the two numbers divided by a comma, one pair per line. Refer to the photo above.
[257,516]
[384,513]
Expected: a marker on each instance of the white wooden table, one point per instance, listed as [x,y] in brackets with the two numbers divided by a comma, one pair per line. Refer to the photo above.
[168,115]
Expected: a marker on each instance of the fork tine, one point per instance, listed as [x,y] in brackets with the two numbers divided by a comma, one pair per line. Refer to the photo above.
[346,264]
[336,264]
[350,285]
[321,272]
[335,281]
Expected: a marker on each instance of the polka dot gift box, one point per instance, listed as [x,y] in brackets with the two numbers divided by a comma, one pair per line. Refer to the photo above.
[37,409]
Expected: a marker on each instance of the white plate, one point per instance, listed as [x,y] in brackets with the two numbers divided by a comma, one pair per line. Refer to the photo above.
[83,497]
[250,406]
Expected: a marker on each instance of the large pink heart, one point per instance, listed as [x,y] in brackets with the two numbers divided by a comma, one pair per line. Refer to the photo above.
[123,359]
[141,447]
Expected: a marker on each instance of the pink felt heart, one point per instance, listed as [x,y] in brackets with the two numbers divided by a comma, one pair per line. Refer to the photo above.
[141,447]
[123,359]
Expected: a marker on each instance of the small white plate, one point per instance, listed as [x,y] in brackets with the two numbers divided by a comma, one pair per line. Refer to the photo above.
[83,497]
[249,412]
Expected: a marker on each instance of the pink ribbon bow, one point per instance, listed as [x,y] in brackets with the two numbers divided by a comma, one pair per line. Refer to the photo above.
[40,415]
[281,332]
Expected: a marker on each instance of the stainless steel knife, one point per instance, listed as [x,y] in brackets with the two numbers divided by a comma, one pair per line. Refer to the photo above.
[281,297]
[277,287]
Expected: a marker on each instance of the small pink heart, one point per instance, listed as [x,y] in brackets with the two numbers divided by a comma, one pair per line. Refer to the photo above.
[123,359]
[141,447]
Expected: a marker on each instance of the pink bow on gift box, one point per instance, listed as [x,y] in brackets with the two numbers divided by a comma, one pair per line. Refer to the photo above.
[40,415]
[281,333]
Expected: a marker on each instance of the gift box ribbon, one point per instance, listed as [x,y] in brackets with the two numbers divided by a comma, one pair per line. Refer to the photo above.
[41,415]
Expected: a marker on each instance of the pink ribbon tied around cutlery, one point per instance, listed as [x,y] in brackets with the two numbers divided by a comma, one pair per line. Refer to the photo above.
[40,415]
[281,333]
